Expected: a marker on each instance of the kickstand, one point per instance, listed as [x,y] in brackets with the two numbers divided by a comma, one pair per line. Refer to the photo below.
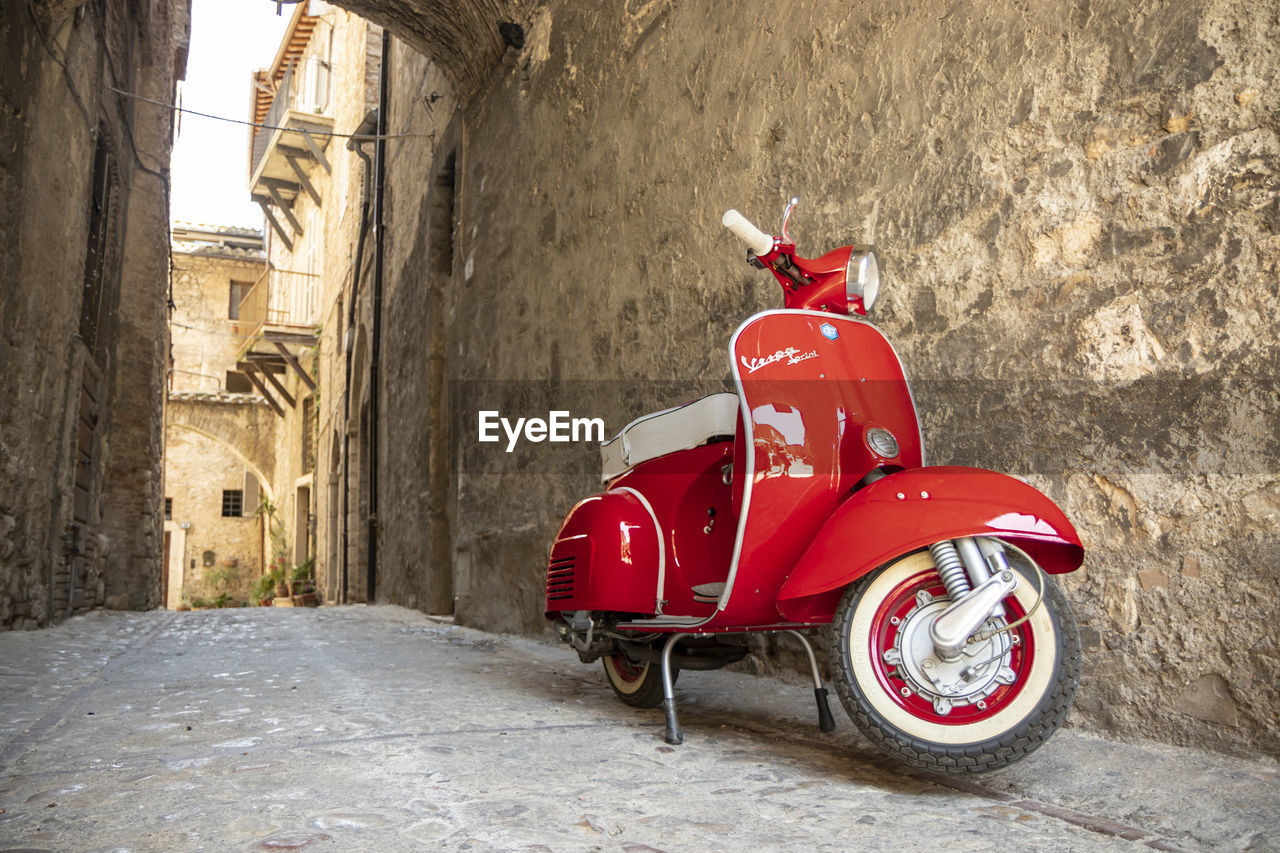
[826,722]
[674,736]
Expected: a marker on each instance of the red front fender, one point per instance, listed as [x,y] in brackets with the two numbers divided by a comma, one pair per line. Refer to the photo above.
[915,508]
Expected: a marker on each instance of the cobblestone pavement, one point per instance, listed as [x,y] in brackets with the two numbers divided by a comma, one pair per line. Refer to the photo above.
[377,728]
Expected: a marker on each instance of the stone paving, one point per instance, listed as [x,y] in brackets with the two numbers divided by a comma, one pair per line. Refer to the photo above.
[378,728]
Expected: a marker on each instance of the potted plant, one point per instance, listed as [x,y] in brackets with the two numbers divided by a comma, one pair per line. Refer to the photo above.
[302,585]
[275,529]
[265,589]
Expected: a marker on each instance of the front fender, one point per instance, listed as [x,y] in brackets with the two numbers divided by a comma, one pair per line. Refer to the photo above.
[911,509]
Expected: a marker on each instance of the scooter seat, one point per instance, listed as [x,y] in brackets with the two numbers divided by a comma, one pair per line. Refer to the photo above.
[660,433]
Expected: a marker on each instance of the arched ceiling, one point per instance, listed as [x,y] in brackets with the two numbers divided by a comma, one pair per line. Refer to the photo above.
[461,36]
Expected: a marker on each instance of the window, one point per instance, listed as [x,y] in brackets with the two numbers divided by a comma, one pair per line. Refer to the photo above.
[238,383]
[232,503]
[239,289]
[309,433]
[168,509]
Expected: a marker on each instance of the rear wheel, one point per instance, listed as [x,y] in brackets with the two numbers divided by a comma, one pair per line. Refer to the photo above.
[638,684]
[996,704]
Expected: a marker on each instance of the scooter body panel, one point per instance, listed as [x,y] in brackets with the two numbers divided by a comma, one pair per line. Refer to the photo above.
[691,500]
[909,510]
[643,545]
[606,556]
[812,386]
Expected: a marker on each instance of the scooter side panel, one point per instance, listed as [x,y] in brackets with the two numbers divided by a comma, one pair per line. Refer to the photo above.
[689,496]
[912,509]
[605,557]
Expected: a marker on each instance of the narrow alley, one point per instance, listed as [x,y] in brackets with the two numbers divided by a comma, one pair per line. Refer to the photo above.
[379,728]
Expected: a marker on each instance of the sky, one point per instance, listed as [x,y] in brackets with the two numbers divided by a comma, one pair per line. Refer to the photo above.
[229,40]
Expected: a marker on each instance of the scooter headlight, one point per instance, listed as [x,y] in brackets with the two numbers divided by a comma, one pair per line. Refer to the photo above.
[862,277]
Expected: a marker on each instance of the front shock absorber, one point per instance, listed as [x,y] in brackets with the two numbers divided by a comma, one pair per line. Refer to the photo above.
[951,568]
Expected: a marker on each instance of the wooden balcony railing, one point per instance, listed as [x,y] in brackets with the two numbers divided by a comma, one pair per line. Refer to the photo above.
[279,298]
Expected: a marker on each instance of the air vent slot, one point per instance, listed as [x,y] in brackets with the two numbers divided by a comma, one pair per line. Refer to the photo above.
[560,579]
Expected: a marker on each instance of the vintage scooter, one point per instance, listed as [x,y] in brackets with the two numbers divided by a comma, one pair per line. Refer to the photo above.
[802,501]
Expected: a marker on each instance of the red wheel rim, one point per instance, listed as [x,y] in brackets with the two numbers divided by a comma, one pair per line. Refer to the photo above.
[626,670]
[884,631]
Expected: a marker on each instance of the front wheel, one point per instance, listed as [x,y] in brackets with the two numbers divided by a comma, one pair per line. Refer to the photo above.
[1000,701]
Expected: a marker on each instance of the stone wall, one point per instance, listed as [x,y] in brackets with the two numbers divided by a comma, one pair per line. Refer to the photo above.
[309,498]
[205,339]
[80,423]
[416,553]
[215,439]
[219,554]
[1077,213]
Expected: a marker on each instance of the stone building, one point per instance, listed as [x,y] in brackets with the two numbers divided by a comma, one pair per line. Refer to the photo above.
[219,432]
[83,287]
[309,327]
[1078,217]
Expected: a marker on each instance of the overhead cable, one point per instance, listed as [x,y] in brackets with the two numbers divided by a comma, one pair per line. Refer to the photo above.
[331,133]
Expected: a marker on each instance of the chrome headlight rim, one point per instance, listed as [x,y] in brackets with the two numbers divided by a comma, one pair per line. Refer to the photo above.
[862,276]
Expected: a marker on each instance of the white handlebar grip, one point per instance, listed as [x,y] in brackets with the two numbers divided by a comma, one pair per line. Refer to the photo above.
[756,240]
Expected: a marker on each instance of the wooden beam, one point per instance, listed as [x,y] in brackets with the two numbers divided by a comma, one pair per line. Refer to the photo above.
[293,362]
[316,152]
[302,178]
[285,209]
[276,336]
[275,383]
[266,211]
[262,389]
[280,184]
[267,362]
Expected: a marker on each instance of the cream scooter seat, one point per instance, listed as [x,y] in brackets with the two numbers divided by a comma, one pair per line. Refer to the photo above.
[660,433]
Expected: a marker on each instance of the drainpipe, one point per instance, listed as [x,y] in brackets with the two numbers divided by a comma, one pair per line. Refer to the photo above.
[356,143]
[380,168]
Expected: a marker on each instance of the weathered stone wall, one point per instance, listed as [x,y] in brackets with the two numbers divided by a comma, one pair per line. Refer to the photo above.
[325,252]
[416,554]
[1077,212]
[214,439]
[219,554]
[63,551]
[243,422]
[205,339]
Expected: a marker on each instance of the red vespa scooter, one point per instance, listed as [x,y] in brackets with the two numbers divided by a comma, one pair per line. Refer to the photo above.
[802,501]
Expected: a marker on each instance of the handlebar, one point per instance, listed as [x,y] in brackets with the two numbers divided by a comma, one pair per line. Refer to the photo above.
[741,227]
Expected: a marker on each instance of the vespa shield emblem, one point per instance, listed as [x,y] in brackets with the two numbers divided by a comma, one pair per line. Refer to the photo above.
[829,331]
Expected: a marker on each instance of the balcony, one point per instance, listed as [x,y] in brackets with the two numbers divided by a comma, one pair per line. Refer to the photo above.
[295,138]
[278,315]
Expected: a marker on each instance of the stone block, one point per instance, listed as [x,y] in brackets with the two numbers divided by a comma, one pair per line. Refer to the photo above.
[1152,579]
[1208,698]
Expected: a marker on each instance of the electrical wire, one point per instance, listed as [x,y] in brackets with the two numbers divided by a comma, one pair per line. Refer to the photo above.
[209,331]
[330,133]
